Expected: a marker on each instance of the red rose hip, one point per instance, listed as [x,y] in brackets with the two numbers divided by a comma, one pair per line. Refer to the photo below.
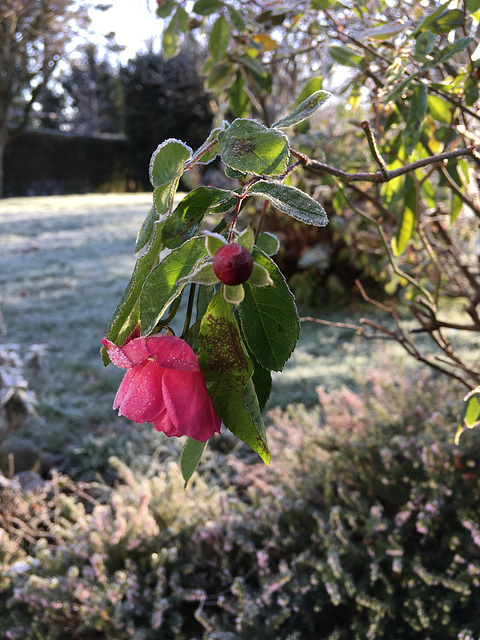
[233,264]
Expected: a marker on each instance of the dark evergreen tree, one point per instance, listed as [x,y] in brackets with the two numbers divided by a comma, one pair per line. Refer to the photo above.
[163,99]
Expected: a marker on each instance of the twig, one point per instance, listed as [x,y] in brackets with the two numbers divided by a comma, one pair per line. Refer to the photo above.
[380,176]
[365,126]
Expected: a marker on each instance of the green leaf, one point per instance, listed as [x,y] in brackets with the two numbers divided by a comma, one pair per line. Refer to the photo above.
[228,371]
[268,243]
[291,201]
[313,85]
[440,109]
[250,147]
[145,235]
[305,109]
[473,5]
[258,72]
[416,116]
[425,43]
[219,39]
[233,293]
[126,316]
[236,19]
[162,287]
[269,318]
[168,161]
[166,167]
[407,220]
[221,76]
[262,382]
[321,5]
[346,57]
[166,9]
[471,408]
[233,174]
[385,31]
[238,98]
[186,219]
[425,23]
[398,89]
[206,153]
[191,454]
[207,7]
[446,21]
[171,36]
[447,52]
[471,90]
[456,207]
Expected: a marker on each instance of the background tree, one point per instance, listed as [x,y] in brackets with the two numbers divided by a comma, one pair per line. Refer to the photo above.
[34,35]
[94,93]
[163,99]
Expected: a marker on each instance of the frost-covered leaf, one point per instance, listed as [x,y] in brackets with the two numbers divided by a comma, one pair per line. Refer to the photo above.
[250,147]
[228,372]
[186,219]
[145,235]
[246,239]
[168,162]
[206,153]
[214,241]
[305,109]
[268,243]
[126,316]
[291,201]
[162,286]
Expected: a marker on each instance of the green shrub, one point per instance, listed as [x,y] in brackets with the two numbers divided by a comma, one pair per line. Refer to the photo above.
[365,527]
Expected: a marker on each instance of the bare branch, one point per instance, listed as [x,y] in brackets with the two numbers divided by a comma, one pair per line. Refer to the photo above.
[381,176]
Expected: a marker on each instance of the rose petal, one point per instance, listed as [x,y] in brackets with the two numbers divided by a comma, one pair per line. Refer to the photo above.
[139,396]
[170,349]
[131,354]
[163,423]
[189,405]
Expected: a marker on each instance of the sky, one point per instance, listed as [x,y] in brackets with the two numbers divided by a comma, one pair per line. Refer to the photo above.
[133,22]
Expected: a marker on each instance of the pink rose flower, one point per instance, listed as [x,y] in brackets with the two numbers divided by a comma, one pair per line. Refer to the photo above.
[163,385]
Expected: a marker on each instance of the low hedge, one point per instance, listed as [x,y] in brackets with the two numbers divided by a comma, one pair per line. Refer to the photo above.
[366,526]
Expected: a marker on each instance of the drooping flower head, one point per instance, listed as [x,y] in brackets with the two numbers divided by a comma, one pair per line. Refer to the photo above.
[163,385]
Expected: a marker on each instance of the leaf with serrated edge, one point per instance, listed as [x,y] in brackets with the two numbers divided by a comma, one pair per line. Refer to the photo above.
[305,109]
[162,286]
[191,454]
[273,334]
[291,201]
[228,371]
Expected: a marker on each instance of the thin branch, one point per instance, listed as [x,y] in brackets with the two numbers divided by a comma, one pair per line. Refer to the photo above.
[380,176]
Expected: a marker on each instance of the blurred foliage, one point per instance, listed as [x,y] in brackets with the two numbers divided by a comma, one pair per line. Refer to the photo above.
[366,527]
